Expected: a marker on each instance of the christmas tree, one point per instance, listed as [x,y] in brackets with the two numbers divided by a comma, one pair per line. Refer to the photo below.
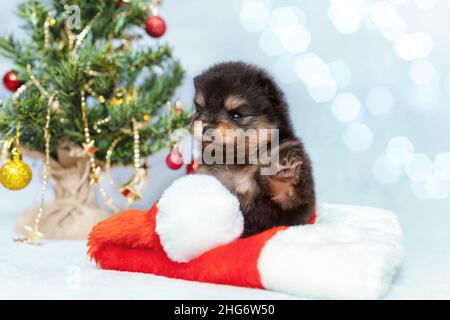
[87,97]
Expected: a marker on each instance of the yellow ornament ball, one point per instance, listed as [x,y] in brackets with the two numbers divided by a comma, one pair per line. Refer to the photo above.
[15,174]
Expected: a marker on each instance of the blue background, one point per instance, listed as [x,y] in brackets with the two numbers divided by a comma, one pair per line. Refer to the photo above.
[399,46]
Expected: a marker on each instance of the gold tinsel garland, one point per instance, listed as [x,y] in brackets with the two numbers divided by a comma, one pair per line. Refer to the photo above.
[133,188]
[33,235]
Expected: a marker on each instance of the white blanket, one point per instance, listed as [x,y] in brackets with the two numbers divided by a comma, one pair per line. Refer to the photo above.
[351,252]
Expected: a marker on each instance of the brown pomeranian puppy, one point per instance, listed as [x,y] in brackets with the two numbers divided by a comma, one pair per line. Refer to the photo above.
[236,96]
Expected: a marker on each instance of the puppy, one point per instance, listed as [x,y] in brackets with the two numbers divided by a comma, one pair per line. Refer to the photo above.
[235,95]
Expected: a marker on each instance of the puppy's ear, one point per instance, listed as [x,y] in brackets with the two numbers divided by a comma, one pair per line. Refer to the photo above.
[271,90]
[197,83]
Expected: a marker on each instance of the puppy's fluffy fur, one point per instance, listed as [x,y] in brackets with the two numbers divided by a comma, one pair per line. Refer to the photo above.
[238,95]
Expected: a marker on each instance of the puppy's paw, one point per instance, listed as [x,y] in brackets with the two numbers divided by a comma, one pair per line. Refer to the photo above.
[289,167]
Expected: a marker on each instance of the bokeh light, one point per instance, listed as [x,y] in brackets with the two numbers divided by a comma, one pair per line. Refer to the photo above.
[270,43]
[425,96]
[284,18]
[309,66]
[322,89]
[437,189]
[347,15]
[425,4]
[418,189]
[379,101]
[419,167]
[400,150]
[341,72]
[446,83]
[394,32]
[383,14]
[296,39]
[398,2]
[255,15]
[346,107]
[421,72]
[314,72]
[441,166]
[358,137]
[285,36]
[284,69]
[386,171]
[413,46]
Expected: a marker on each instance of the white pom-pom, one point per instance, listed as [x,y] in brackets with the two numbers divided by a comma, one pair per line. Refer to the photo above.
[196,214]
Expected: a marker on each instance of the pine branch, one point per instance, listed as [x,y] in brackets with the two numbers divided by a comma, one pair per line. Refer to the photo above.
[105,62]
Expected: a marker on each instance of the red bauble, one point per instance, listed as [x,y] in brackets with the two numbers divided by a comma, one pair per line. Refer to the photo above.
[155,26]
[178,110]
[121,3]
[174,159]
[126,192]
[11,81]
[191,168]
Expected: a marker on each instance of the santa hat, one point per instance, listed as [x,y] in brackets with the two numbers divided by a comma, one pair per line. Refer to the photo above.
[193,232]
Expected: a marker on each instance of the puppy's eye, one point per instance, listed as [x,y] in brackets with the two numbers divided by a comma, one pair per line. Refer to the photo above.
[235,115]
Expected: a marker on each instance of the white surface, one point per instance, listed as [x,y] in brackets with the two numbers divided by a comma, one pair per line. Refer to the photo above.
[62,270]
[352,252]
[190,222]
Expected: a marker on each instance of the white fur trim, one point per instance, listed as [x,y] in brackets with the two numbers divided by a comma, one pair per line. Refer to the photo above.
[352,252]
[195,214]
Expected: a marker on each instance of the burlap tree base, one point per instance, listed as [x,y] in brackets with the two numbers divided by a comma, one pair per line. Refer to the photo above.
[74,211]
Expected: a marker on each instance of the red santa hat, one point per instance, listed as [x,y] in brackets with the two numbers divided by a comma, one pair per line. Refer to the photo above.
[193,232]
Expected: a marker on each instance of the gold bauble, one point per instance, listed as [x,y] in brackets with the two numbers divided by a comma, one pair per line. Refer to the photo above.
[117,99]
[122,97]
[15,174]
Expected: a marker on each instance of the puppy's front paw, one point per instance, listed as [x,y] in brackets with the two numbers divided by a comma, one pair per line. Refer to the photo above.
[289,167]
